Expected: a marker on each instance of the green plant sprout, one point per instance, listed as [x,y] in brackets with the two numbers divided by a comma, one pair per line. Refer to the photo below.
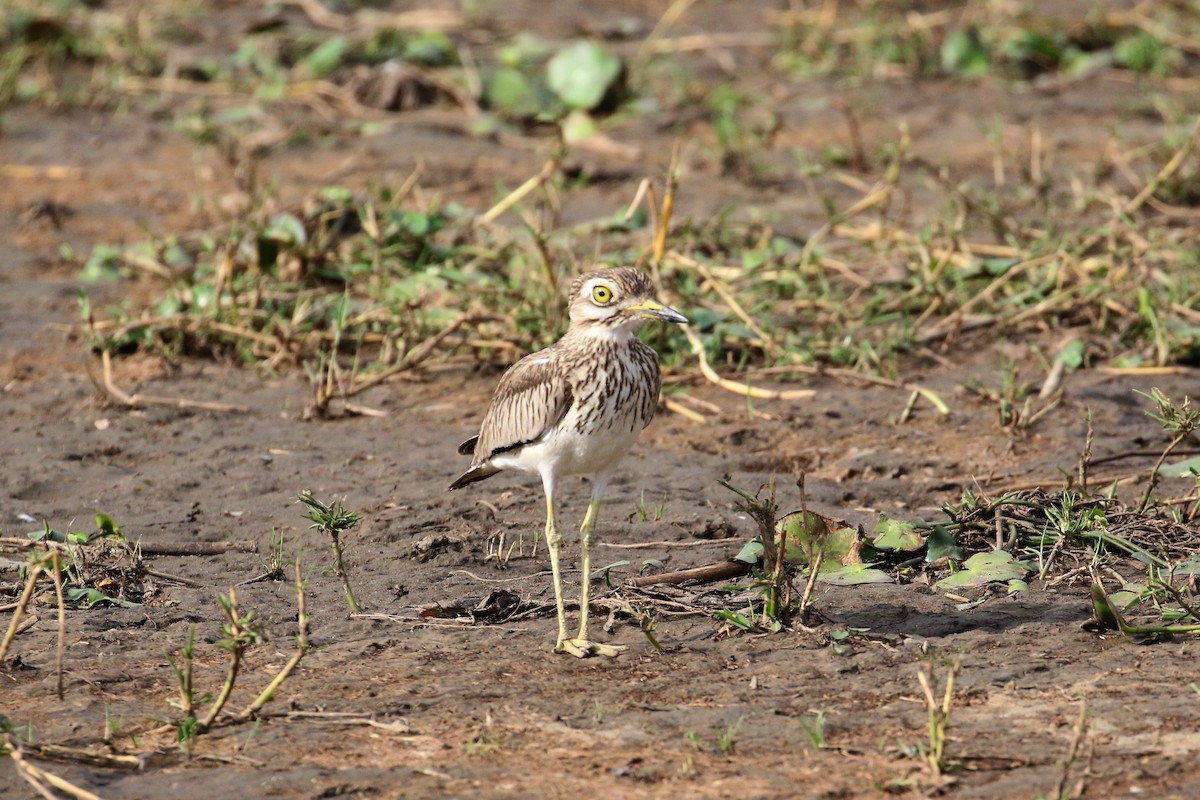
[334,520]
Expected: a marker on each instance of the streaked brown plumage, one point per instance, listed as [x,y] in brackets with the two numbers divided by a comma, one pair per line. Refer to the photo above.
[576,408]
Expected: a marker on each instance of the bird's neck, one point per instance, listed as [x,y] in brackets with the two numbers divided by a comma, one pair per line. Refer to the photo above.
[614,334]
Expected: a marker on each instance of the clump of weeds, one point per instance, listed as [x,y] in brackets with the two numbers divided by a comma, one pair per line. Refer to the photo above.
[239,633]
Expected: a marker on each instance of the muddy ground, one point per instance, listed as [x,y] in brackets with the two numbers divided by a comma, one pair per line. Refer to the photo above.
[477,710]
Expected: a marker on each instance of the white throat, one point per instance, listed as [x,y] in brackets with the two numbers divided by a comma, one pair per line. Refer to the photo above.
[618,334]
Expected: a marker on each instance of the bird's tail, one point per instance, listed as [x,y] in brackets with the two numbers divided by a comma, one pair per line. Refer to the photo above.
[477,473]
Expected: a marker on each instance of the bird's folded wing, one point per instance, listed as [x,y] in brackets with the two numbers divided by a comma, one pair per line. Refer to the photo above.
[533,397]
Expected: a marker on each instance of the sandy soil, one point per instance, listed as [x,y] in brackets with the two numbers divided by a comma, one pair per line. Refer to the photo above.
[480,710]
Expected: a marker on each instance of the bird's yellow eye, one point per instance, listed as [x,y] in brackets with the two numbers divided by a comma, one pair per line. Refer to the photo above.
[602,294]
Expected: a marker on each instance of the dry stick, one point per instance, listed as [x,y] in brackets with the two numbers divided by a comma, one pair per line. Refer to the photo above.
[703,405]
[29,544]
[166,576]
[187,322]
[132,84]
[37,777]
[53,172]
[815,567]
[519,194]
[810,585]
[265,696]
[1142,371]
[638,197]
[880,194]
[781,583]
[669,18]
[410,361]
[418,353]
[668,207]
[723,571]
[683,411]
[72,755]
[908,408]
[744,390]
[1085,458]
[423,19]
[1077,737]
[137,400]
[653,545]
[22,604]
[197,548]
[1170,168]
[954,318]
[721,289]
[62,620]
[1157,466]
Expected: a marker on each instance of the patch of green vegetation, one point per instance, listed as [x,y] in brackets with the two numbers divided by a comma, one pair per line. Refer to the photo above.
[995,545]
[239,633]
[334,520]
[867,39]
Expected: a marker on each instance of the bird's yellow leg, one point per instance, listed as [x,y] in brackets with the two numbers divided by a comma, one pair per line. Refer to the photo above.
[553,540]
[580,646]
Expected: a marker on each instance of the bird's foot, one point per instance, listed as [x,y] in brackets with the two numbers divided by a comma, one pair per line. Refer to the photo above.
[582,648]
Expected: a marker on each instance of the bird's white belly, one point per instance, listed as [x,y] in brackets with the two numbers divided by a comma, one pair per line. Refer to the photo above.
[571,453]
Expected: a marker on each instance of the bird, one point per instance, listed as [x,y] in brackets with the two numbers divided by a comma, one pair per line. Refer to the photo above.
[576,408]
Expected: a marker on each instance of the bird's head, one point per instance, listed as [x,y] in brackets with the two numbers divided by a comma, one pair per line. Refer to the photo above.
[618,298]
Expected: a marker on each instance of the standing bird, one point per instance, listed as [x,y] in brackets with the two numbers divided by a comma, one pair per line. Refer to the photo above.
[576,408]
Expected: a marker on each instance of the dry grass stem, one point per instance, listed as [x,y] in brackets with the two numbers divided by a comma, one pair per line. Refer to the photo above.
[43,782]
[22,604]
[743,389]
[140,400]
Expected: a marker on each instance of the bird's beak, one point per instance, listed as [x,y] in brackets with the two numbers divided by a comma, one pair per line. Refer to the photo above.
[656,310]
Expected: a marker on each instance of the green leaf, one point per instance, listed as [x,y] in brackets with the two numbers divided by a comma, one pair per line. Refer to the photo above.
[1128,597]
[286,228]
[964,54]
[578,126]
[1033,48]
[104,264]
[1181,469]
[808,533]
[48,534]
[525,49]
[513,94]
[894,534]
[998,266]
[1072,354]
[1106,615]
[93,597]
[326,57]
[582,73]
[940,544]
[750,553]
[108,527]
[996,566]
[852,575]
[1143,52]
[1189,567]
[598,571]
[734,618]
[432,48]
